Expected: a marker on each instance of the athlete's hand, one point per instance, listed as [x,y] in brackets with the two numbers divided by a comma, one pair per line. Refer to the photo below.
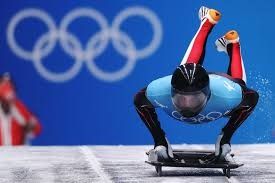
[222,147]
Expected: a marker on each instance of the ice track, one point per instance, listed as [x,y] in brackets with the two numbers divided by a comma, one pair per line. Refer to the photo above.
[124,164]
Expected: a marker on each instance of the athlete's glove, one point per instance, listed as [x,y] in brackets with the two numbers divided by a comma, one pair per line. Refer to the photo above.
[222,147]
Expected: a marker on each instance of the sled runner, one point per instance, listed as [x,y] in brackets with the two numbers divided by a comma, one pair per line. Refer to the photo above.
[196,159]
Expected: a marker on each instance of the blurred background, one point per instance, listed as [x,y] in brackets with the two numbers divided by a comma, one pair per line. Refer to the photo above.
[77,65]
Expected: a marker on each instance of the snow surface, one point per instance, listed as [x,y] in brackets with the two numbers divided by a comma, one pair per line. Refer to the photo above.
[125,164]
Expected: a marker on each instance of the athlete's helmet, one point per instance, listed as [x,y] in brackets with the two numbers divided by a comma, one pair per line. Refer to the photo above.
[190,89]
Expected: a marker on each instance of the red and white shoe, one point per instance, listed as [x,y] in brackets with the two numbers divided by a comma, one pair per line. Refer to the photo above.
[211,14]
[230,37]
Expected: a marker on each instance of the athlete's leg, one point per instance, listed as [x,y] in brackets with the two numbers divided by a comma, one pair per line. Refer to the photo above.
[236,117]
[230,43]
[240,114]
[196,49]
[148,115]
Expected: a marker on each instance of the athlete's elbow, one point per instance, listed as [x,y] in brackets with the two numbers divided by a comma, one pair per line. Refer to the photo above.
[138,98]
[255,98]
[135,101]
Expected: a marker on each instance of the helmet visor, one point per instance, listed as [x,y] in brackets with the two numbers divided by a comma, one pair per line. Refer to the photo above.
[191,102]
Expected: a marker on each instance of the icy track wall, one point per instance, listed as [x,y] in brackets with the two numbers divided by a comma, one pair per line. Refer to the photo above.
[78,64]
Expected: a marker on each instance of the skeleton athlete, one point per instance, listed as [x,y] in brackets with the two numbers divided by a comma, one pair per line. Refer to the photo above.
[195,96]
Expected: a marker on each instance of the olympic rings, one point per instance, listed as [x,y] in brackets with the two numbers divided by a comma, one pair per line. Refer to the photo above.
[95,46]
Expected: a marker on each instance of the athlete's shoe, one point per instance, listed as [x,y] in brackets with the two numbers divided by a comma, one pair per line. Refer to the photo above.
[161,153]
[230,37]
[229,159]
[212,15]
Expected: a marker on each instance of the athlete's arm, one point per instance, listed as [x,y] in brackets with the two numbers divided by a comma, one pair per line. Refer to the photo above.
[148,115]
[236,117]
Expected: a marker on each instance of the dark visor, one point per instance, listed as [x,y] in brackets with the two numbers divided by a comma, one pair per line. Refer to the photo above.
[189,103]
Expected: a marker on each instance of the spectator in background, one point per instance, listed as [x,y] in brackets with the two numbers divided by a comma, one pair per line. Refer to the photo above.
[17,123]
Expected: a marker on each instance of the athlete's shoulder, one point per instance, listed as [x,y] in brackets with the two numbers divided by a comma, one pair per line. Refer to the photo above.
[163,79]
[161,85]
[221,85]
[159,89]
[224,76]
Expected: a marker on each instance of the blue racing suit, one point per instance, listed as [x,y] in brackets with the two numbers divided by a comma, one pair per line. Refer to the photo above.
[225,96]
